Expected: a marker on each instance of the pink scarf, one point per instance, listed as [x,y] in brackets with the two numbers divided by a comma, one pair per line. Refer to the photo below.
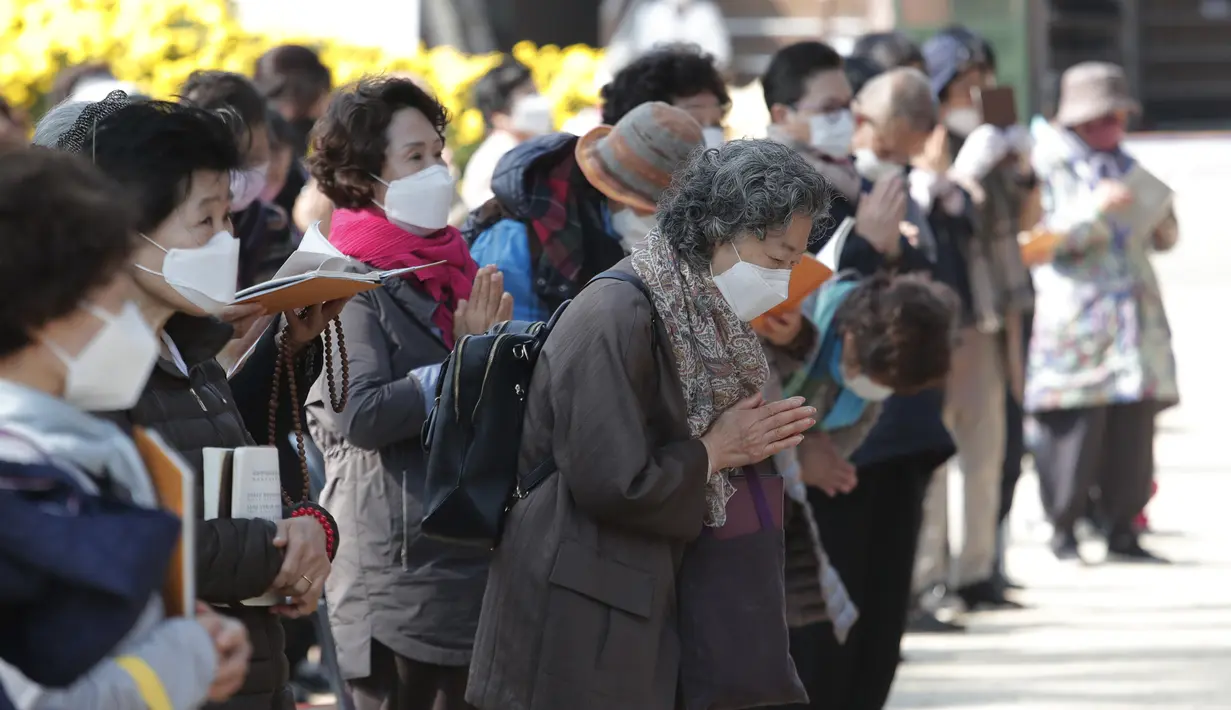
[367,236]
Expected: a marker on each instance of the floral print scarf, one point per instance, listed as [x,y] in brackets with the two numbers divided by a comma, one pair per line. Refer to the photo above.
[719,358]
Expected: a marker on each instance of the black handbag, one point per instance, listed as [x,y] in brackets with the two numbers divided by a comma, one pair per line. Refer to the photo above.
[473,434]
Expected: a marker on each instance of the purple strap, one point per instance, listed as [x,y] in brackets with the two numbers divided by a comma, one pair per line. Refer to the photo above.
[758,498]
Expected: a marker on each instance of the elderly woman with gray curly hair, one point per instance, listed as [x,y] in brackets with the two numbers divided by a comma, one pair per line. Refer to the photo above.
[646,397]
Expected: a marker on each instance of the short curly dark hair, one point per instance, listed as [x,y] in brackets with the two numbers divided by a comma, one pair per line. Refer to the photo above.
[744,187]
[68,230]
[349,142]
[665,74]
[903,327]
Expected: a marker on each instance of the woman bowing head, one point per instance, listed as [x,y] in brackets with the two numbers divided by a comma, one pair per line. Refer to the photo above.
[646,405]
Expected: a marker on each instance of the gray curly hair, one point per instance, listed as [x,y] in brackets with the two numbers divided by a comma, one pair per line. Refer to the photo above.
[746,187]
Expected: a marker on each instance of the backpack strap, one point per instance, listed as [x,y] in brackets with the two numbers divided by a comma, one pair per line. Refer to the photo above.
[635,280]
[547,467]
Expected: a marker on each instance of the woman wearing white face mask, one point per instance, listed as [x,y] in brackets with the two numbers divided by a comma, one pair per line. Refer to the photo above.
[649,401]
[402,607]
[514,111]
[177,161]
[262,228]
[73,488]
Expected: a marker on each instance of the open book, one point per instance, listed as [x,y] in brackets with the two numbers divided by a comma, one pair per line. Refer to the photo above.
[243,483]
[316,272]
[1152,201]
[177,492]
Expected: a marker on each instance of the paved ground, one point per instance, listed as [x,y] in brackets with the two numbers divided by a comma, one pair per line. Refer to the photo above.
[1114,637]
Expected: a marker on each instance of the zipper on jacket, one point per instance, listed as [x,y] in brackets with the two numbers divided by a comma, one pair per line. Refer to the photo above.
[491,357]
[457,379]
[197,397]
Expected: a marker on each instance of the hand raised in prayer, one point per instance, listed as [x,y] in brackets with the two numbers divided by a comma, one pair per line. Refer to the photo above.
[752,431]
[879,214]
[488,304]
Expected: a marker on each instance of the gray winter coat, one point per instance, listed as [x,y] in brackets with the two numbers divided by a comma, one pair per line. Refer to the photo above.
[417,596]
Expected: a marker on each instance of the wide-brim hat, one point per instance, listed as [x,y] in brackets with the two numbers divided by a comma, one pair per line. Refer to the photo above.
[1091,90]
[632,161]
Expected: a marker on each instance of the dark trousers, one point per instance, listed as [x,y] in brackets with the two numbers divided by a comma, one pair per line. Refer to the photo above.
[1106,451]
[870,535]
[399,683]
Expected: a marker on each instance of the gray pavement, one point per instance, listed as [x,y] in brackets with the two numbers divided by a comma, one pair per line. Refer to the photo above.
[1117,637]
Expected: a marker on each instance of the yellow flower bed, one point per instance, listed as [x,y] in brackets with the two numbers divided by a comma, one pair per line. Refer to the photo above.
[156,44]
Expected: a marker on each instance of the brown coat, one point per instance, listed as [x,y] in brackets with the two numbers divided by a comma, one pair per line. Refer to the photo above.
[580,604]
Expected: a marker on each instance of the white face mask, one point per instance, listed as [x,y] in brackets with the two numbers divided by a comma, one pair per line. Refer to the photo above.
[246,186]
[531,115]
[832,132]
[714,136]
[867,390]
[206,276]
[963,121]
[632,227]
[873,168]
[420,203]
[752,290]
[110,372]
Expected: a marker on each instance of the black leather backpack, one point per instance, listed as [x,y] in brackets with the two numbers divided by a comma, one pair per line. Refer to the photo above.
[473,434]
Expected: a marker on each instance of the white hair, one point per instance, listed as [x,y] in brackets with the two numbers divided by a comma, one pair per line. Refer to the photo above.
[57,121]
[903,93]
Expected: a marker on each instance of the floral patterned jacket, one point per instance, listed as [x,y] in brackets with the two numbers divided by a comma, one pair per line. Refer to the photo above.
[1100,330]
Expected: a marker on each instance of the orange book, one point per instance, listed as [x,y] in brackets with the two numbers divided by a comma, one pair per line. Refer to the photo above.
[176,486]
[806,277]
[314,273]
[1038,246]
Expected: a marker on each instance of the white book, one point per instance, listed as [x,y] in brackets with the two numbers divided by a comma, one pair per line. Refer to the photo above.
[1152,202]
[256,493]
[243,483]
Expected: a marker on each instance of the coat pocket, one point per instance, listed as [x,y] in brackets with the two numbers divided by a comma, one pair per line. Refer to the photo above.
[600,623]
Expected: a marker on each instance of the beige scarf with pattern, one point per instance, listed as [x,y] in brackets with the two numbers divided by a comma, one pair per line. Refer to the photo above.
[719,358]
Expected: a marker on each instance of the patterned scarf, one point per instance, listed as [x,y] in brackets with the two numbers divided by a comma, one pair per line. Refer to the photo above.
[719,358]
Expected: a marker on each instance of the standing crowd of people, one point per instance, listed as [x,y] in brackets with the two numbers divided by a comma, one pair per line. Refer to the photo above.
[749,499]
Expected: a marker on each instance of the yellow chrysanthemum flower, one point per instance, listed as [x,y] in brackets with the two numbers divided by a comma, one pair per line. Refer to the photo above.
[156,44]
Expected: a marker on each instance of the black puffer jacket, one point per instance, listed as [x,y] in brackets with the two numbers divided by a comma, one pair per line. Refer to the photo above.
[236,559]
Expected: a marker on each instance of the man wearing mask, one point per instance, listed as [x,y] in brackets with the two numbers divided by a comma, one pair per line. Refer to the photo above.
[870,532]
[514,112]
[996,294]
[567,209]
[809,100]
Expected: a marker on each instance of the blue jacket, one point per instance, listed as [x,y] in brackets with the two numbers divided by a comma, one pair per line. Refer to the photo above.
[498,232]
[72,566]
